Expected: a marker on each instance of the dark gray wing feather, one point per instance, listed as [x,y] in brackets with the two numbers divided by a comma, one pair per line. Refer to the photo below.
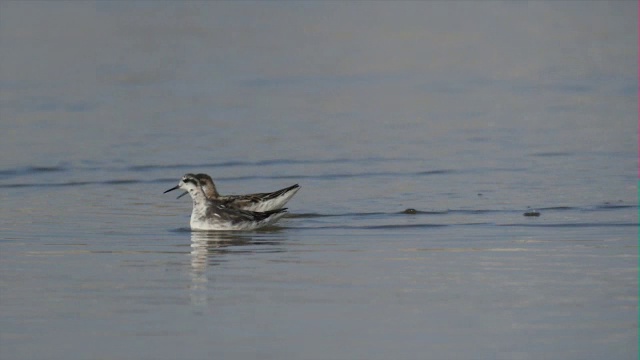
[235,215]
[257,197]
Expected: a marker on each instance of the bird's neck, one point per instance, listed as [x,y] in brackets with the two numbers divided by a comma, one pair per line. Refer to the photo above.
[198,198]
[212,192]
[199,205]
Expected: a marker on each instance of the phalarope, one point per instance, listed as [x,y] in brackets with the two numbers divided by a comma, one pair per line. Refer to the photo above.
[211,214]
[252,202]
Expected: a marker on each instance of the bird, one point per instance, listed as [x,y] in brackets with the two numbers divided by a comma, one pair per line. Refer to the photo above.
[211,214]
[252,202]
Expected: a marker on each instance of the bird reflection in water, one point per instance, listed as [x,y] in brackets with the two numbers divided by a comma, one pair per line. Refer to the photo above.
[215,247]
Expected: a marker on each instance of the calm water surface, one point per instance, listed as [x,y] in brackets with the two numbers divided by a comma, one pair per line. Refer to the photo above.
[469,113]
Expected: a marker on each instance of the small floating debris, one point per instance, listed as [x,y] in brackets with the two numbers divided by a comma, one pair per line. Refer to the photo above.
[531,213]
[410,211]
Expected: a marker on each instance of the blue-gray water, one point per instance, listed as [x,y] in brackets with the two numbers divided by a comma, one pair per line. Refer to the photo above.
[471,113]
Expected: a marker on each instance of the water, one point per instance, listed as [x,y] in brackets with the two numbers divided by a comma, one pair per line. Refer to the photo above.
[470,113]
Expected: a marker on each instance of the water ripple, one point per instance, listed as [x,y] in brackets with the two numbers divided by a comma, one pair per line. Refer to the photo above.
[230,178]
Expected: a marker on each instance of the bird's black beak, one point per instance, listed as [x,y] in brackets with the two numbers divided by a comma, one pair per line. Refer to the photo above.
[181,195]
[173,188]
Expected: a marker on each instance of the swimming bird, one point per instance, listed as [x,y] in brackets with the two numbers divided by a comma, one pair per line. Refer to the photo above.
[211,214]
[252,202]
